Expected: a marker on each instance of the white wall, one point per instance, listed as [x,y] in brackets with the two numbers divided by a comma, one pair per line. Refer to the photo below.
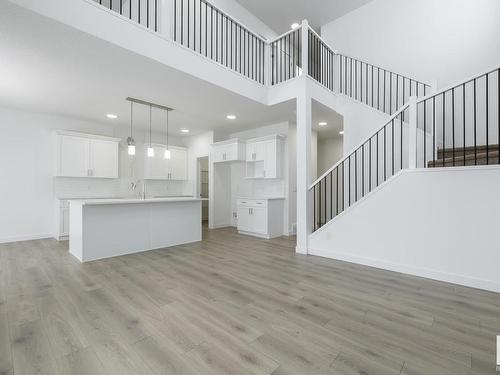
[437,223]
[446,40]
[28,189]
[330,151]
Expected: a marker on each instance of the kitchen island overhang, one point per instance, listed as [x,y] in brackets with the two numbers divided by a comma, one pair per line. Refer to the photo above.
[105,228]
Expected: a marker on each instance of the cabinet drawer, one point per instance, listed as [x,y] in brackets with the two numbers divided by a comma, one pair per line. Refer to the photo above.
[252,202]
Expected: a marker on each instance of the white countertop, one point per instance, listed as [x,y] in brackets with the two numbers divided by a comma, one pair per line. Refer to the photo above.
[263,198]
[95,202]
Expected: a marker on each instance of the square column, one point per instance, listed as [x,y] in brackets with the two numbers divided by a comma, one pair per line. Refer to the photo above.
[304,137]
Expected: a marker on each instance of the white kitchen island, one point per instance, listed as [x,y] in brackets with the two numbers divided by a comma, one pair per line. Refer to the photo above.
[104,228]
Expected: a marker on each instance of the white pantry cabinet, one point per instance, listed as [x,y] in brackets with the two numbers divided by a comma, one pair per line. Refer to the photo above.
[159,168]
[86,155]
[264,157]
[260,217]
[230,150]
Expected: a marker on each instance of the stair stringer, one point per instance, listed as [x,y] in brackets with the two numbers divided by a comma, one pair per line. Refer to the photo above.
[435,223]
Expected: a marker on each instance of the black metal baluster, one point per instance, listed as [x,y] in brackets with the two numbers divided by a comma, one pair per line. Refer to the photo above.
[487,121]
[434,130]
[475,125]
[363,170]
[175,17]
[139,11]
[463,121]
[349,181]
[425,134]
[378,174]
[385,95]
[356,175]
[147,13]
[453,122]
[392,140]
[444,127]
[314,208]
[370,165]
[385,154]
[130,13]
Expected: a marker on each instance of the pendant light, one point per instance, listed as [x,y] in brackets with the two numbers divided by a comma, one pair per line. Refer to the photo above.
[167,151]
[130,140]
[151,150]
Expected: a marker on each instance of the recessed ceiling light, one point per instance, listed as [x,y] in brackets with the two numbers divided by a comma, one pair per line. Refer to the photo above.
[112,116]
[231,117]
[322,123]
[295,25]
[341,132]
[185,130]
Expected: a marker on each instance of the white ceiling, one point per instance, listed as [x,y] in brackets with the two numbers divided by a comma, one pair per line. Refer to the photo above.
[48,67]
[280,14]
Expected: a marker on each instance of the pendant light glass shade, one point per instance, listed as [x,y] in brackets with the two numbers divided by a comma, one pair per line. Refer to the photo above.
[130,140]
[131,146]
[151,152]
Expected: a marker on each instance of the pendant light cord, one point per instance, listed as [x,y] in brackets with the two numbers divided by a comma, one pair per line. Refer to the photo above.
[131,117]
[167,129]
[150,125]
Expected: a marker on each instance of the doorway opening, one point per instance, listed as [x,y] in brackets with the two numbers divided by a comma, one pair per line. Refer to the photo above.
[202,188]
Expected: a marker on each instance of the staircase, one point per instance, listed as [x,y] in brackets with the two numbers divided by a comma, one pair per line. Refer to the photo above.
[466,156]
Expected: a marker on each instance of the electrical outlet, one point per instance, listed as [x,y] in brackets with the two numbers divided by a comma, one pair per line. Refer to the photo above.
[235,215]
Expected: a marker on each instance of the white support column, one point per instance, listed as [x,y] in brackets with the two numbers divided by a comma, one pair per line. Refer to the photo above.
[304,136]
[305,47]
[412,134]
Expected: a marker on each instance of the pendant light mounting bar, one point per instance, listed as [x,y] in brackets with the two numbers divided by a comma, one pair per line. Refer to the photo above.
[143,102]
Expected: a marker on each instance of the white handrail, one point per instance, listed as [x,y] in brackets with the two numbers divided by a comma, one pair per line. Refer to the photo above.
[455,85]
[359,145]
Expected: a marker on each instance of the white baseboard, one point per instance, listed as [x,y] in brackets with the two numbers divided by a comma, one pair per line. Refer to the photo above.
[489,285]
[26,238]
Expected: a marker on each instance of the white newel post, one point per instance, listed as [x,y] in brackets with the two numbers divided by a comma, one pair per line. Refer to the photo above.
[268,63]
[412,134]
[304,135]
[305,47]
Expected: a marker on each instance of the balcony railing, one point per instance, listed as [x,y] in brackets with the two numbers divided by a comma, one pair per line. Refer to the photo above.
[200,26]
[205,29]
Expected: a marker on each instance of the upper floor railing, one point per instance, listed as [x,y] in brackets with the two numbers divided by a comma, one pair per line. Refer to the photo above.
[144,12]
[200,26]
[205,29]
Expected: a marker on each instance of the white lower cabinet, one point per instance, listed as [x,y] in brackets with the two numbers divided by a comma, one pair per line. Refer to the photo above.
[62,220]
[260,217]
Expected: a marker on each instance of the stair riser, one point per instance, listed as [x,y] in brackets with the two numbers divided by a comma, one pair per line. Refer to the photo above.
[461,152]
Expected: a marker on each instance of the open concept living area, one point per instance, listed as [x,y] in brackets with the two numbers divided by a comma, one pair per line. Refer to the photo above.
[233,187]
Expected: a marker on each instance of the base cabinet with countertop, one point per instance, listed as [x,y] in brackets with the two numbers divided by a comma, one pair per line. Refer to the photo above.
[62,220]
[260,217]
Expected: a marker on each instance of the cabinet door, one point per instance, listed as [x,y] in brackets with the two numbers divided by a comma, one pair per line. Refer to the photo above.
[244,219]
[73,157]
[155,168]
[104,159]
[177,165]
[64,222]
[218,154]
[259,220]
[270,160]
[256,151]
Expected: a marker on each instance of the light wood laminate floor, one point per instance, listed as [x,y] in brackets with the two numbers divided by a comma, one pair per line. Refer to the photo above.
[233,305]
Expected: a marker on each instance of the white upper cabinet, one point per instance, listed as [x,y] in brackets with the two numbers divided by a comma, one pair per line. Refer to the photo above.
[230,150]
[177,165]
[159,168]
[104,158]
[86,155]
[264,157]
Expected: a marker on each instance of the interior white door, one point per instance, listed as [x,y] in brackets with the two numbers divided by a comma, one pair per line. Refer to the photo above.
[74,157]
[104,159]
